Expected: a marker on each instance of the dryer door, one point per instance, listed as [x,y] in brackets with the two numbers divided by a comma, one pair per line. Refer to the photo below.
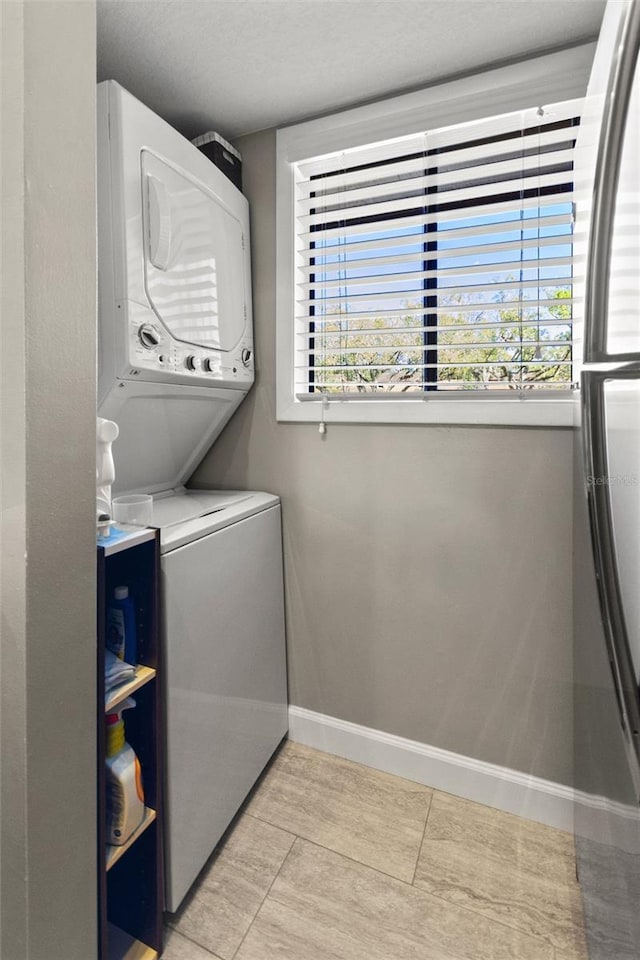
[194,260]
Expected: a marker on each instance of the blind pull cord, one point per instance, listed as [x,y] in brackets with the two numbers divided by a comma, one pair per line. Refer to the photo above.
[322,427]
[537,354]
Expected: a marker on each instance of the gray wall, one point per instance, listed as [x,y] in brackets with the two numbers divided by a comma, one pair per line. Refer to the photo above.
[47,424]
[428,569]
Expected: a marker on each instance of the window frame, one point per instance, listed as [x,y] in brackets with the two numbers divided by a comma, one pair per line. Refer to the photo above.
[551,78]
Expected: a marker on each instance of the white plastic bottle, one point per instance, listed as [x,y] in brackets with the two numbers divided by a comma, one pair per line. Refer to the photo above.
[125,796]
[106,432]
[121,625]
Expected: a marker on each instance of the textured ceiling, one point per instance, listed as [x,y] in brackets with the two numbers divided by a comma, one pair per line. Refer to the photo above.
[237,66]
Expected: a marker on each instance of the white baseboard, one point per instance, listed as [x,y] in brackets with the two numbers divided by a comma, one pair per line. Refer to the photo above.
[500,787]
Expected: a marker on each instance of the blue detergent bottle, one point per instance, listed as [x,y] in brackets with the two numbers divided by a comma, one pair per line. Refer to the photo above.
[121,626]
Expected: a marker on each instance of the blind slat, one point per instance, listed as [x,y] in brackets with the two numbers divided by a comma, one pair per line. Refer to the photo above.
[344,239]
[526,170]
[440,328]
[408,348]
[477,250]
[337,368]
[487,210]
[454,196]
[489,305]
[334,181]
[471,288]
[416,390]
[443,274]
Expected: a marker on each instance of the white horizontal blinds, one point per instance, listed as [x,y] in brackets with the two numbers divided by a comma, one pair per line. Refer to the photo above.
[439,262]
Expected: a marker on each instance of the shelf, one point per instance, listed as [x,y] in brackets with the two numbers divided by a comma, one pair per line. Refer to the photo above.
[115,852]
[130,876]
[143,675]
[124,536]
[124,947]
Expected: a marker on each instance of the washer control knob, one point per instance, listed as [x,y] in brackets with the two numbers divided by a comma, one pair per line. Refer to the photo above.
[148,336]
[246,356]
[191,362]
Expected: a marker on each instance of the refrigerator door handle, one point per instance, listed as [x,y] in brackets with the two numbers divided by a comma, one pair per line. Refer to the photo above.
[616,109]
[604,551]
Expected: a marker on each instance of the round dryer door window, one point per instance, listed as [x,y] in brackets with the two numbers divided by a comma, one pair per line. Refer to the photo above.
[194,259]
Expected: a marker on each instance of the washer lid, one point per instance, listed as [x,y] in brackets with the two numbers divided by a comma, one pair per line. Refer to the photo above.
[194,258]
[165,430]
[181,505]
[187,515]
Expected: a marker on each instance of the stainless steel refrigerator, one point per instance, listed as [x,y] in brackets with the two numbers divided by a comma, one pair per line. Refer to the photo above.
[607,495]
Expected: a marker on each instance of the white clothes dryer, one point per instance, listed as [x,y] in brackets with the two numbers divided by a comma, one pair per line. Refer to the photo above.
[174,288]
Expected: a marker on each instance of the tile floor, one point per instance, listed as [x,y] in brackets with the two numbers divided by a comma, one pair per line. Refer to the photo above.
[330,860]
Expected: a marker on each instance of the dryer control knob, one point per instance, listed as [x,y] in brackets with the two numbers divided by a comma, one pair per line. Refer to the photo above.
[246,356]
[209,365]
[148,336]
[191,362]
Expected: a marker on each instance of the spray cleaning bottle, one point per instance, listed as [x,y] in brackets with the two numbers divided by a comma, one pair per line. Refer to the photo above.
[125,796]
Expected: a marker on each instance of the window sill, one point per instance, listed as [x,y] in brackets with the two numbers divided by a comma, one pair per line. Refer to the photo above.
[556,412]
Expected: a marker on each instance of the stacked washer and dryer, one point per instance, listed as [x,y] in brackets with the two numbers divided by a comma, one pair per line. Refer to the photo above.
[175,361]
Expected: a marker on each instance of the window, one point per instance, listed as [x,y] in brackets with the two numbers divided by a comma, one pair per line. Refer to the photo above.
[436,266]
[443,268]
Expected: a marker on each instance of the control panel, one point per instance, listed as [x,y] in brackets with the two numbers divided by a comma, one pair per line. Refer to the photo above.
[153,354]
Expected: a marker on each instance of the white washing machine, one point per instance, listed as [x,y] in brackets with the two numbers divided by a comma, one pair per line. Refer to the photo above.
[223,632]
[175,361]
